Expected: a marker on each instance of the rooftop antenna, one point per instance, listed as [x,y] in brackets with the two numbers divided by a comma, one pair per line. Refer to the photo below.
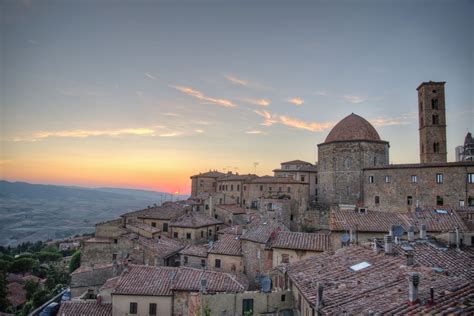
[255,164]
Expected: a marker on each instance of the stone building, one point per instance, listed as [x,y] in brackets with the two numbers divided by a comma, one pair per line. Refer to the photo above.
[232,187]
[194,256]
[205,182]
[301,171]
[352,145]
[290,247]
[225,254]
[194,227]
[230,214]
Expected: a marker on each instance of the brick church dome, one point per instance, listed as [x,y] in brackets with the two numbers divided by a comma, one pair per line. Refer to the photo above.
[353,127]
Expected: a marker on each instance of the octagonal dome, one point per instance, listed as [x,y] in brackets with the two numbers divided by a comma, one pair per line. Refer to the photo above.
[353,127]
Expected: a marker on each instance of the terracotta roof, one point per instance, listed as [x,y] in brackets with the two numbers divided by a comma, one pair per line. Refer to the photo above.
[302,241]
[382,286]
[424,165]
[161,247]
[145,227]
[98,266]
[378,221]
[353,127]
[194,219]
[146,280]
[195,250]
[16,294]
[229,245]
[231,208]
[209,174]
[167,211]
[237,177]
[261,230]
[295,162]
[189,279]
[161,281]
[232,230]
[110,283]
[85,308]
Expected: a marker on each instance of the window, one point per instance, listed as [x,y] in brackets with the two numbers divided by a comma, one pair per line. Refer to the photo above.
[210,232]
[185,259]
[115,240]
[114,256]
[247,306]
[152,309]
[238,187]
[409,200]
[377,199]
[302,178]
[220,187]
[461,203]
[270,188]
[291,217]
[279,189]
[439,200]
[435,119]
[422,146]
[436,147]
[203,263]
[375,161]
[175,234]
[315,191]
[207,207]
[414,179]
[388,179]
[165,227]
[371,179]
[439,178]
[434,91]
[218,263]
[315,180]
[220,201]
[289,189]
[232,187]
[434,104]
[261,188]
[153,224]
[470,201]
[285,258]
[188,235]
[202,234]
[470,178]
[133,308]
[283,297]
[245,187]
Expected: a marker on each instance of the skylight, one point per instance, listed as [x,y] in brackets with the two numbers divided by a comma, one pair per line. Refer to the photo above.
[360,266]
[441,211]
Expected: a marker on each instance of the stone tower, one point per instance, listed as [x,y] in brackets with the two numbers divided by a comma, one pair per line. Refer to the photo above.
[432,118]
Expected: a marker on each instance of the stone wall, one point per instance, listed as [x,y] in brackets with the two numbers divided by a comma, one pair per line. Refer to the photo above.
[228,263]
[201,184]
[393,195]
[257,260]
[340,167]
[197,235]
[193,261]
[121,304]
[110,229]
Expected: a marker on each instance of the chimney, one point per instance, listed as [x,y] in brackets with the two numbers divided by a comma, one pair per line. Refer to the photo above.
[388,245]
[413,282]
[392,229]
[411,233]
[423,231]
[410,259]
[353,235]
[319,302]
[458,239]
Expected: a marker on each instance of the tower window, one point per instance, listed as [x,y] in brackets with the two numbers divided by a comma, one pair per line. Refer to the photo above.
[435,119]
[434,104]
[439,200]
[439,178]
[377,200]
[371,179]
[434,91]
[436,147]
[414,179]
[409,200]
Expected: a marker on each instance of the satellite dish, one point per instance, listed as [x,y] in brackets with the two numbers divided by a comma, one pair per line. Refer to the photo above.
[266,284]
[398,231]
[345,238]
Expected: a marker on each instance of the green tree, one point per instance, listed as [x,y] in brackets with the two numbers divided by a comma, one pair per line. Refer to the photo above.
[3,292]
[27,308]
[45,256]
[23,265]
[75,261]
[39,298]
[30,287]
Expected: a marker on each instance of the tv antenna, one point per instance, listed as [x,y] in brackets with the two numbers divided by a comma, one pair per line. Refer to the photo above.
[255,164]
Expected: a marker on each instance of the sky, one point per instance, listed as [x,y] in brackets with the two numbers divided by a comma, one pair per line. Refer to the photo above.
[145,94]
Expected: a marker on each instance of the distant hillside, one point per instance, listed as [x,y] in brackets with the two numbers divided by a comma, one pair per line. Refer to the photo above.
[39,212]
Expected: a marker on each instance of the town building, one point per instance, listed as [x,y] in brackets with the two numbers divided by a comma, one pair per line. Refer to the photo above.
[205,182]
[194,227]
[226,254]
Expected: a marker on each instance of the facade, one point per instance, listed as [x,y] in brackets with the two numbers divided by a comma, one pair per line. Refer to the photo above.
[301,171]
[232,187]
[432,120]
[226,254]
[194,256]
[352,145]
[205,182]
[194,227]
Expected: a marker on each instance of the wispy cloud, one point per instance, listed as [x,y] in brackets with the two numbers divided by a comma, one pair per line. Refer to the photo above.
[80,133]
[256,132]
[261,102]
[236,80]
[150,76]
[355,99]
[172,134]
[296,101]
[323,93]
[201,96]
[391,121]
[199,131]
[270,119]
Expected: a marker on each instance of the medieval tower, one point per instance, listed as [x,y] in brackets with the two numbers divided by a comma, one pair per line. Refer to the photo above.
[432,120]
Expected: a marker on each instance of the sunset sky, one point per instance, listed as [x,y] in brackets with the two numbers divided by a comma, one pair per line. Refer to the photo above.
[144,94]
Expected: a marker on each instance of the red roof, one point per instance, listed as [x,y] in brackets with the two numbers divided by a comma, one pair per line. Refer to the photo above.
[194,219]
[195,250]
[16,294]
[302,241]
[85,308]
[229,245]
[353,127]
[231,208]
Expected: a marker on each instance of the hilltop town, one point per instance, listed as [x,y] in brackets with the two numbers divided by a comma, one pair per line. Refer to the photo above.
[350,234]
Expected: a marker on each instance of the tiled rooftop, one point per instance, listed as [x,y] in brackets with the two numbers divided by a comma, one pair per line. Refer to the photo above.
[232,230]
[382,286]
[195,250]
[302,241]
[378,221]
[98,266]
[85,308]
[231,208]
[229,245]
[238,177]
[167,211]
[210,174]
[161,281]
[194,220]
[162,247]
[145,227]
[261,230]
[353,127]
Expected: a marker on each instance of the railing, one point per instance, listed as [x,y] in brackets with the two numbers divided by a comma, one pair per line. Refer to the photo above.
[56,299]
